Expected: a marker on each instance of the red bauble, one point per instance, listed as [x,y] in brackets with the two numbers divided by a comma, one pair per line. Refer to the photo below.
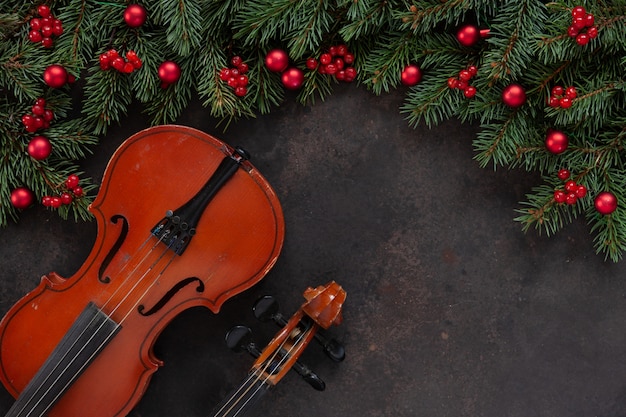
[293,78]
[411,75]
[468,35]
[55,76]
[135,15]
[22,198]
[39,147]
[276,60]
[169,72]
[556,142]
[514,95]
[605,202]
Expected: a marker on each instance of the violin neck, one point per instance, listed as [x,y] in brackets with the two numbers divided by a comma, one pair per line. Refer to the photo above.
[243,398]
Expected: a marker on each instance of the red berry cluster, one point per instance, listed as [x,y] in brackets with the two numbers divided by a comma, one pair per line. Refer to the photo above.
[40,117]
[112,59]
[43,28]
[462,82]
[71,190]
[572,191]
[236,76]
[582,20]
[562,97]
[337,61]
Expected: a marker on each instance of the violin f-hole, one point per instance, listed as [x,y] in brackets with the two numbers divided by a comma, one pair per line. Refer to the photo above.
[114,249]
[168,295]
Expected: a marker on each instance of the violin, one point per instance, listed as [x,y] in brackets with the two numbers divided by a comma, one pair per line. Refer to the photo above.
[183,220]
[321,309]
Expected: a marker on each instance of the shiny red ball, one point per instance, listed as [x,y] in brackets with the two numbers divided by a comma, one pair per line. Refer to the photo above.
[55,76]
[22,198]
[135,15]
[514,95]
[556,142]
[169,72]
[277,60]
[39,148]
[293,78]
[468,35]
[605,202]
[411,75]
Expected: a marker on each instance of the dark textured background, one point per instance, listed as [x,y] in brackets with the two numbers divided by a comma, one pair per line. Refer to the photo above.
[451,309]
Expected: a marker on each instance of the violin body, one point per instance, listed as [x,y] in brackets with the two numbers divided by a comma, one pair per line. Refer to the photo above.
[132,278]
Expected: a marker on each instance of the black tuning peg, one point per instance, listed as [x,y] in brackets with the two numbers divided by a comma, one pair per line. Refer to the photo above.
[266,309]
[239,338]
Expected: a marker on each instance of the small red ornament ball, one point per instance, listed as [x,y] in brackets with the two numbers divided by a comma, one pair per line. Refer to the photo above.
[293,78]
[22,198]
[514,95]
[277,60]
[469,35]
[411,75]
[169,72]
[135,15]
[55,76]
[39,148]
[605,202]
[556,142]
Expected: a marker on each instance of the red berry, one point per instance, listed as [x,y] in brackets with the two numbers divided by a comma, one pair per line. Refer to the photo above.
[78,191]
[232,82]
[350,74]
[563,174]
[57,28]
[453,82]
[234,72]
[118,63]
[340,75]
[35,36]
[47,42]
[565,102]
[240,91]
[46,201]
[236,61]
[579,22]
[559,196]
[348,58]
[48,115]
[589,20]
[128,68]
[461,85]
[554,101]
[72,181]
[35,23]
[331,69]
[325,59]
[578,11]
[43,10]
[581,191]
[243,68]
[66,198]
[470,91]
[572,31]
[224,74]
[37,110]
[473,70]
[332,50]
[55,202]
[557,90]
[465,75]
[582,39]
[571,186]
[342,50]
[592,32]
[242,81]
[311,63]
[339,63]
[571,92]
[571,198]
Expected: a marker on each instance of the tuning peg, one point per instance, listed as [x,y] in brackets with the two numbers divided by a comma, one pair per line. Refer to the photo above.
[332,347]
[239,338]
[309,376]
[266,309]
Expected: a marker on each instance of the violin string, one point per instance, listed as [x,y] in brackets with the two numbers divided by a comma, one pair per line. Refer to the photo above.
[257,375]
[41,397]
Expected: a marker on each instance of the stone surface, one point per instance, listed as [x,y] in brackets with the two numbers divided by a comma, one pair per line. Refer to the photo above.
[452,310]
